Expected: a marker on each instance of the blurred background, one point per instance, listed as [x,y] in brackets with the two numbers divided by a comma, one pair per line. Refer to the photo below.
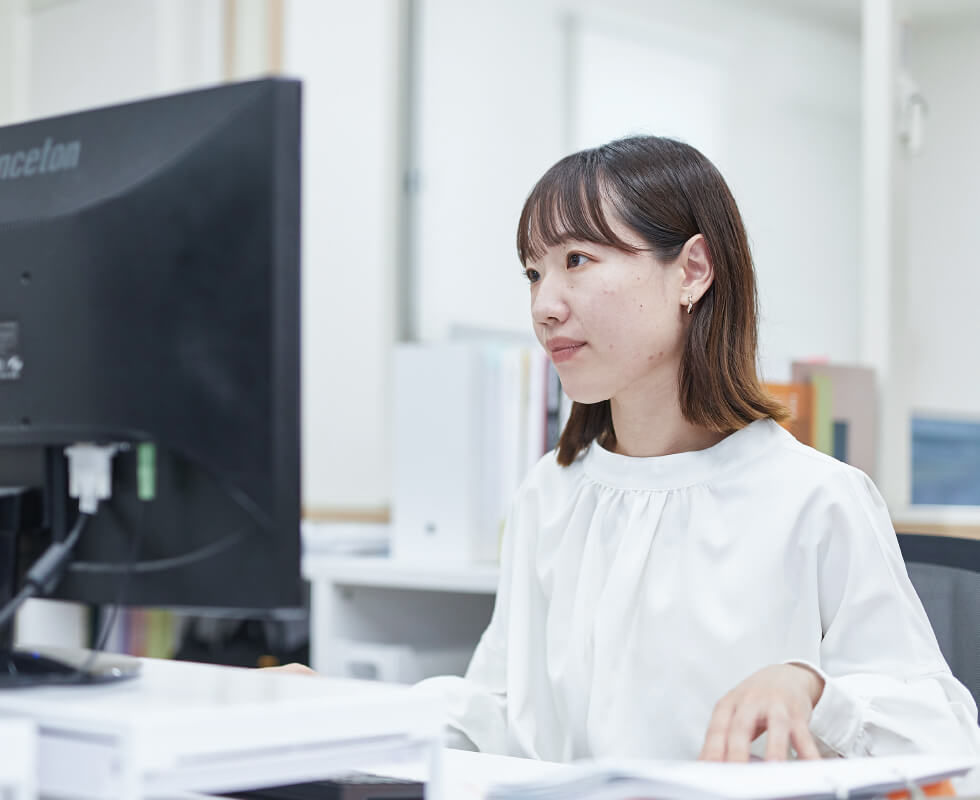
[847,131]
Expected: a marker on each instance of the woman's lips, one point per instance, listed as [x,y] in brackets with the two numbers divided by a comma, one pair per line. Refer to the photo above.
[564,349]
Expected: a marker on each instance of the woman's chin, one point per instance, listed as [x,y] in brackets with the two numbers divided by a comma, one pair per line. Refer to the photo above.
[584,396]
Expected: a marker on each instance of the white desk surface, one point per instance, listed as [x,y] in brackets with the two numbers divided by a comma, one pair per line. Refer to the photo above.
[467,776]
[181,726]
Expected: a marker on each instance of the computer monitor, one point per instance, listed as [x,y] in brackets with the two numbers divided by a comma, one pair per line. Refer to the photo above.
[149,297]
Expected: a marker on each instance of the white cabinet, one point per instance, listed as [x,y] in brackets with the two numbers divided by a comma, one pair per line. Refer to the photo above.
[409,620]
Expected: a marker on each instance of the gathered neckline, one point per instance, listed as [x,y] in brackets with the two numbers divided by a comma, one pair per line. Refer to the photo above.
[677,470]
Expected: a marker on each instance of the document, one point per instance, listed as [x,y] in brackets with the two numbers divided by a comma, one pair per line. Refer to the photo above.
[827,779]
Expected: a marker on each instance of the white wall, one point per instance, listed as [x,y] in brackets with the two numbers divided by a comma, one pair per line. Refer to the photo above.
[347,56]
[943,234]
[96,52]
[490,122]
[775,99]
[13,58]
[795,171]
[9,15]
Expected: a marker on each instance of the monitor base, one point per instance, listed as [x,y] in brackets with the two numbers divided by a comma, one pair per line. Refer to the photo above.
[49,665]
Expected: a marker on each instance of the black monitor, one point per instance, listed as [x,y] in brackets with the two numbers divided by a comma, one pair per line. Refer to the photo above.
[149,298]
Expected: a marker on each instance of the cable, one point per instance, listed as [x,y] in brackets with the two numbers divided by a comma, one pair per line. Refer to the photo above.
[12,605]
[146,491]
[109,623]
[91,481]
[146,471]
[95,478]
[161,564]
[45,573]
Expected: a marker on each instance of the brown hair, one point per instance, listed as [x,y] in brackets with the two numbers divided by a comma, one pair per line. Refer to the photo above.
[666,192]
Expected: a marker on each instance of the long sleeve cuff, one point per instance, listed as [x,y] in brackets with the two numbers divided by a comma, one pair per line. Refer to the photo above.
[836,720]
[476,717]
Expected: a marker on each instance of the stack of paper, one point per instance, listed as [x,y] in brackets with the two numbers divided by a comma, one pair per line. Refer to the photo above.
[832,779]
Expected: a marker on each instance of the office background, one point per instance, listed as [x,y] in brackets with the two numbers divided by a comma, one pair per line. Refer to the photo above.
[846,129]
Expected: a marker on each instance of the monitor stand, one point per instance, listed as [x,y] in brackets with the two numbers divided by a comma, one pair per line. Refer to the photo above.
[54,665]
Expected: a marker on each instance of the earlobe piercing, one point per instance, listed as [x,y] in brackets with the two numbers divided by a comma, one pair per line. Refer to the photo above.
[690,304]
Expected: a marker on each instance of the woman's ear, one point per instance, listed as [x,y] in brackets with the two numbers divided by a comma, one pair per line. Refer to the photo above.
[698,272]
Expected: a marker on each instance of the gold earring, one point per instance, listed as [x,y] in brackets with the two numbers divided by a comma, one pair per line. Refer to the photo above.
[690,304]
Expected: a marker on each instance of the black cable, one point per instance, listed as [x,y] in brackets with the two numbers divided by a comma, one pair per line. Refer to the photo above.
[82,670]
[161,564]
[46,571]
[241,498]
[134,565]
[108,624]
[44,575]
[12,605]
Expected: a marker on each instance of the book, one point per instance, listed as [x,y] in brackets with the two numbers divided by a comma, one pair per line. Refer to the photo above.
[799,399]
[537,406]
[827,779]
[553,421]
[845,411]
[823,413]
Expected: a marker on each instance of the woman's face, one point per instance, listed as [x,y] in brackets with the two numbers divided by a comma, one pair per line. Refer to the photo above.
[611,321]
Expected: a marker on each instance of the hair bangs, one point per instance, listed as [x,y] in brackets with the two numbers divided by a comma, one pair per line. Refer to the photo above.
[567,203]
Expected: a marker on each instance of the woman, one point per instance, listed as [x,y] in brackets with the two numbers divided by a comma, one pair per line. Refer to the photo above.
[683,575]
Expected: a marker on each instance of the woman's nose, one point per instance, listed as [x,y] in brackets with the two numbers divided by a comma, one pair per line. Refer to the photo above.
[548,304]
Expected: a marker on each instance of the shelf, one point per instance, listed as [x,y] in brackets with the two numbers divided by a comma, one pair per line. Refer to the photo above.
[387,573]
[938,529]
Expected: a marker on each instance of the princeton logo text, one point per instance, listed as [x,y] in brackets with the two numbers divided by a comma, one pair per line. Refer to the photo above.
[49,157]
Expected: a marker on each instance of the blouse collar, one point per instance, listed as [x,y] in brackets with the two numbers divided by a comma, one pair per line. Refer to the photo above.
[681,469]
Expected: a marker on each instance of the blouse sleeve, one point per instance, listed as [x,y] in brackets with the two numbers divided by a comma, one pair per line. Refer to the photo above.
[477,703]
[888,689]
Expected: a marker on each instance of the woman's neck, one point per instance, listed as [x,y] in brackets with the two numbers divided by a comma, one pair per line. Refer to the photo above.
[651,425]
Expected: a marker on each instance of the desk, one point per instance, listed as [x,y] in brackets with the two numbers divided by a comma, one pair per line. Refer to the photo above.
[182,727]
[18,759]
[466,775]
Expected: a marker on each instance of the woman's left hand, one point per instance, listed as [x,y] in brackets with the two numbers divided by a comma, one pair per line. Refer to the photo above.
[777,699]
[294,668]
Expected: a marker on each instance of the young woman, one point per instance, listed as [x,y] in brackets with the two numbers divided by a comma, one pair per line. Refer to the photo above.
[682,575]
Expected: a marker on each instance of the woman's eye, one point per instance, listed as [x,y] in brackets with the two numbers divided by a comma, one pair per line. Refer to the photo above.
[576,259]
[532,275]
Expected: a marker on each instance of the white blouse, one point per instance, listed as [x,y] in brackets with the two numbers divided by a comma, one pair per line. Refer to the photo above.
[636,592]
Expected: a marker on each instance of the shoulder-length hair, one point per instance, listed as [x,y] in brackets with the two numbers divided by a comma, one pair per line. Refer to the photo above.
[666,192]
